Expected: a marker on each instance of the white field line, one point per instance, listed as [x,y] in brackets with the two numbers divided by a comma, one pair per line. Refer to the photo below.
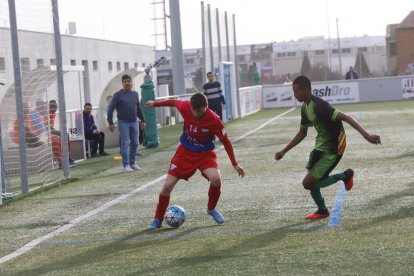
[28,246]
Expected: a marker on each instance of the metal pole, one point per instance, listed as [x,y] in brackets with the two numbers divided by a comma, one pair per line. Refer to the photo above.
[218,34]
[2,176]
[61,90]
[19,97]
[227,37]
[203,41]
[165,25]
[329,36]
[236,66]
[210,35]
[339,48]
[177,48]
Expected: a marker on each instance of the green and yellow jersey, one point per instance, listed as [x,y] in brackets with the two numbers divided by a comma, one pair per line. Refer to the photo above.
[321,115]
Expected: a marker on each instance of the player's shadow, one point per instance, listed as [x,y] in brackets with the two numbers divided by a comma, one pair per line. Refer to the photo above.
[385,203]
[405,155]
[147,240]
[268,237]
[97,254]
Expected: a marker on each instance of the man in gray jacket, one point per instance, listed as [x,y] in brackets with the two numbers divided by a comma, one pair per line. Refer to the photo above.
[128,108]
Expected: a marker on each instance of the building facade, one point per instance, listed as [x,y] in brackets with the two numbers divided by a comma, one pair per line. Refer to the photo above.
[102,60]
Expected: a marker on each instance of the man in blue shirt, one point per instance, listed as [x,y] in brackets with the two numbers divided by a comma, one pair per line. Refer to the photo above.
[92,132]
[128,108]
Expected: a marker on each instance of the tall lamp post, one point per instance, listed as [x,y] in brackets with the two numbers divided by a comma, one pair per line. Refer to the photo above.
[339,47]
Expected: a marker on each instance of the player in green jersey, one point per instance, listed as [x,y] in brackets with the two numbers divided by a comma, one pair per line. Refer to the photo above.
[329,146]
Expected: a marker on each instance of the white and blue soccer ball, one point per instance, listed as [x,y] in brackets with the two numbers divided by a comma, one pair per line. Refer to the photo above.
[175,216]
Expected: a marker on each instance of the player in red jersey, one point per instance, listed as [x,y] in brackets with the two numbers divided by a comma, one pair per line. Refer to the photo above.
[196,151]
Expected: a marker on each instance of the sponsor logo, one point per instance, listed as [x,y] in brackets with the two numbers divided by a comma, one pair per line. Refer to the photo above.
[173,167]
[204,130]
[224,132]
[334,90]
[408,88]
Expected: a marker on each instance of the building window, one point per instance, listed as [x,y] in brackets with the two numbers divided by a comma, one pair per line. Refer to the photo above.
[189,61]
[379,48]
[362,49]
[110,66]
[126,65]
[52,61]
[280,55]
[393,49]
[291,54]
[118,66]
[143,64]
[346,50]
[335,51]
[319,52]
[2,65]
[25,63]
[95,65]
[242,58]
[73,62]
[40,62]
[136,65]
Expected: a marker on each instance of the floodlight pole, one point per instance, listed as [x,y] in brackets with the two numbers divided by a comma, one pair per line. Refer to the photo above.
[24,178]
[177,48]
[61,90]
[339,48]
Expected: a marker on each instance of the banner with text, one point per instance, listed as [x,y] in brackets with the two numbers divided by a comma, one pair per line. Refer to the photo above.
[334,93]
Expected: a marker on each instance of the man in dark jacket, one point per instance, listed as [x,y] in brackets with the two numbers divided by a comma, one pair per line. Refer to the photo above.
[214,94]
[92,132]
[351,74]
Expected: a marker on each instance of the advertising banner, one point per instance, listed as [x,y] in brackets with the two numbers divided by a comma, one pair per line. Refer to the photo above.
[334,93]
[227,90]
[408,88]
[278,96]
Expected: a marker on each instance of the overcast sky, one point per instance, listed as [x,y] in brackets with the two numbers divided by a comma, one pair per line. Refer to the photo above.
[257,21]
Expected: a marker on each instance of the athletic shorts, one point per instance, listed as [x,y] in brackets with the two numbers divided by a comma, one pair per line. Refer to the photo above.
[185,162]
[321,164]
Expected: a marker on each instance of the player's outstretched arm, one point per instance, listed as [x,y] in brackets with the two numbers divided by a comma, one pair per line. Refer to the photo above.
[303,132]
[149,104]
[372,138]
[239,170]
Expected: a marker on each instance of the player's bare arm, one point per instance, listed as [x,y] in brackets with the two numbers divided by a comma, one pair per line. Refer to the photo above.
[372,138]
[149,104]
[239,170]
[303,132]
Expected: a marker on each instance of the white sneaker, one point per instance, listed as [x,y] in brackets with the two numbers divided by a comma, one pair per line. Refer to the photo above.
[128,168]
[135,167]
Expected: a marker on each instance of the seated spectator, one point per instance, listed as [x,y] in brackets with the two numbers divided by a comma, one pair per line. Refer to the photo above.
[92,132]
[32,125]
[50,122]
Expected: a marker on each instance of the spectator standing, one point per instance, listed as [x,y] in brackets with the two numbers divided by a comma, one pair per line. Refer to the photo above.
[128,108]
[214,94]
[351,74]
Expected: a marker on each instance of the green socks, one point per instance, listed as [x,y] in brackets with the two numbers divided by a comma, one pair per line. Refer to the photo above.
[317,197]
[330,180]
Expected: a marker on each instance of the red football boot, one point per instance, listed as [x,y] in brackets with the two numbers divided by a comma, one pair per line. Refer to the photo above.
[349,180]
[320,214]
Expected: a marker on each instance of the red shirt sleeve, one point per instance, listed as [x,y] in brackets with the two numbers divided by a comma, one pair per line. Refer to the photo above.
[221,133]
[176,103]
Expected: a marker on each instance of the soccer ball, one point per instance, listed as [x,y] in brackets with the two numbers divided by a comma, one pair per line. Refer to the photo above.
[175,216]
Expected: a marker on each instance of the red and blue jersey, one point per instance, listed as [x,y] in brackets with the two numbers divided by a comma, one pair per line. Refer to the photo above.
[199,133]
